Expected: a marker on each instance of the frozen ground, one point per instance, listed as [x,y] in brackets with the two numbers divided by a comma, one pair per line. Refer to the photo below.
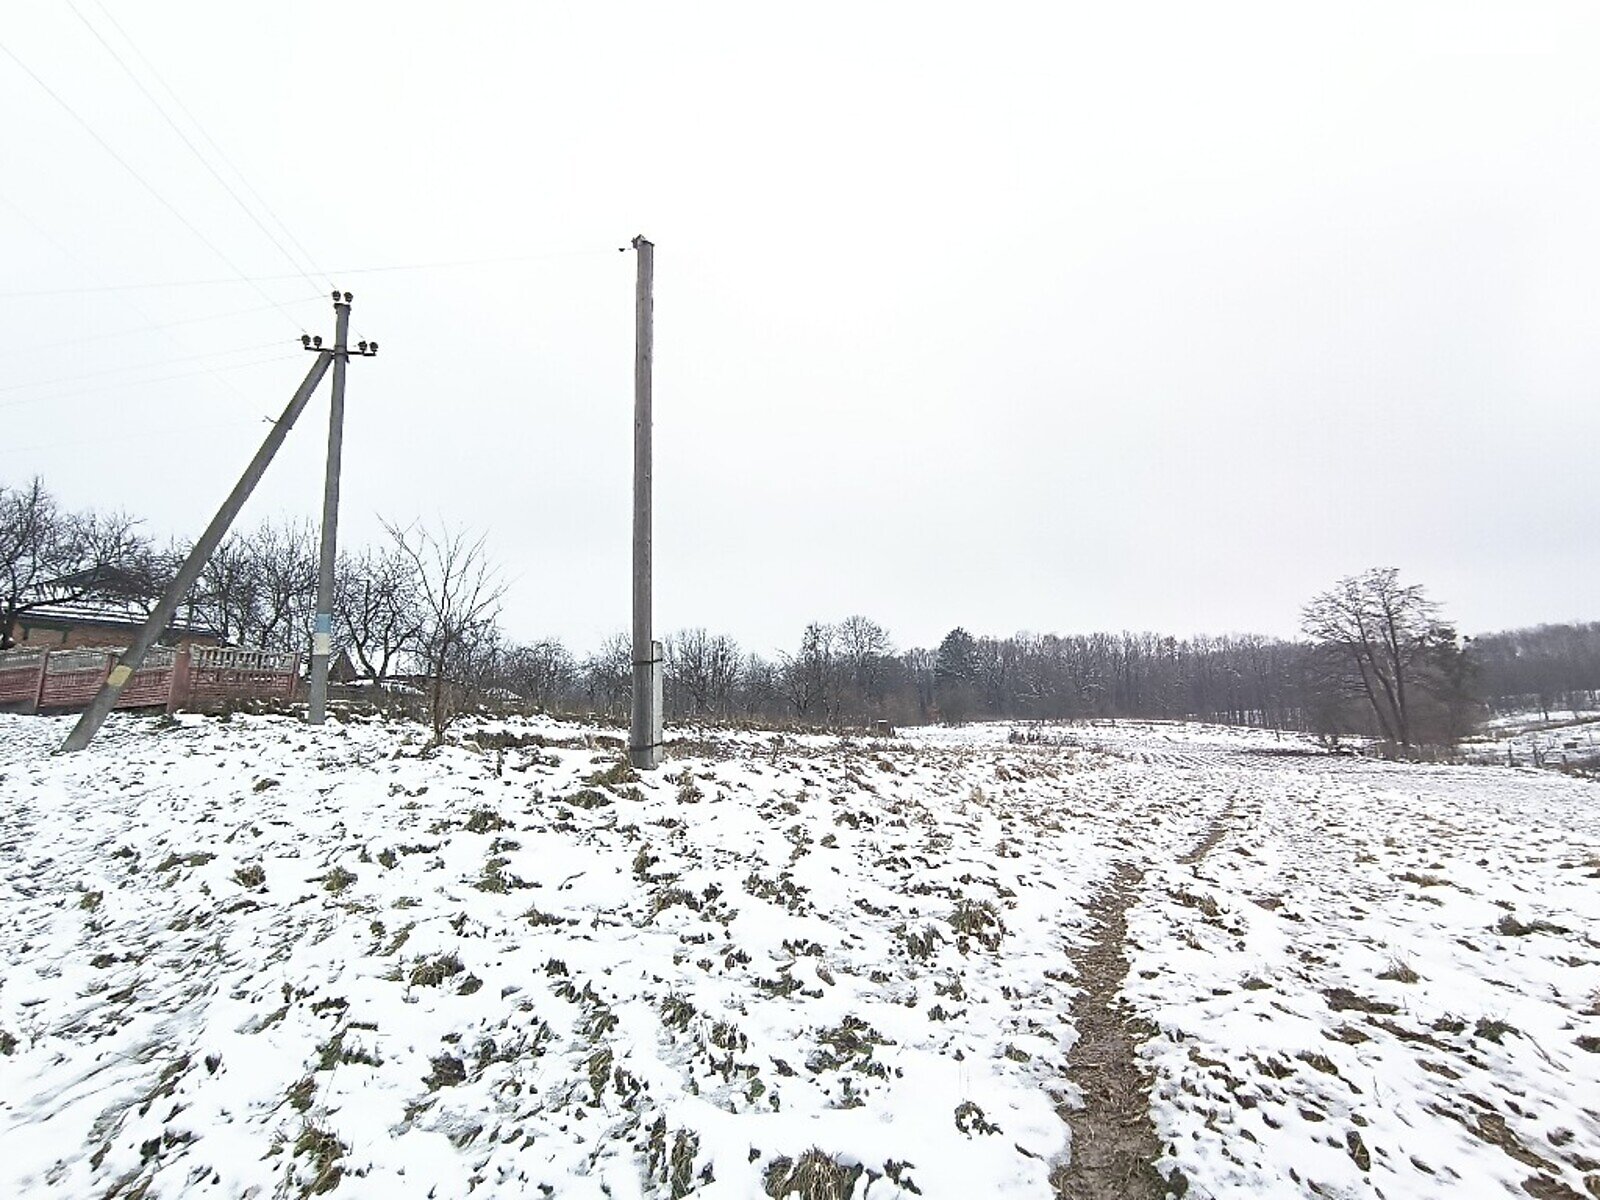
[247,959]
[1563,740]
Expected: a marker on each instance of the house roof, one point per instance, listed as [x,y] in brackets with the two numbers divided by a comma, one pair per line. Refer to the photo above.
[103,611]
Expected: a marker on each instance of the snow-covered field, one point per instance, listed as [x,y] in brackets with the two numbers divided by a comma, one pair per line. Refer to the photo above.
[1531,740]
[245,958]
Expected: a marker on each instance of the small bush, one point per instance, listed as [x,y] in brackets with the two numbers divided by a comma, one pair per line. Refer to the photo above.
[676,1012]
[301,1093]
[675,1166]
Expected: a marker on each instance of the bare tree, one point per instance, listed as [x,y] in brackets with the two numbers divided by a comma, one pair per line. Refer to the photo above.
[540,673]
[702,670]
[810,679]
[227,595]
[1381,639]
[284,559]
[378,610]
[460,593]
[48,556]
[866,657]
[608,674]
[760,688]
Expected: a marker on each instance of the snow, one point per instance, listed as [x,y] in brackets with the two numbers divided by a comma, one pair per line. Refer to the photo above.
[1529,739]
[247,958]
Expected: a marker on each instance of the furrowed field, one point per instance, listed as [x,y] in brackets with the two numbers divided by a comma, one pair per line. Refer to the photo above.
[244,958]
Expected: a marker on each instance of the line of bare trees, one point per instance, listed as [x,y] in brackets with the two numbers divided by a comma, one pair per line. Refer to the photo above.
[1549,668]
[419,611]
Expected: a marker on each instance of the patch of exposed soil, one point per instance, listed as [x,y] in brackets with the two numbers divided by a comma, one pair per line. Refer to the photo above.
[1218,830]
[1114,1144]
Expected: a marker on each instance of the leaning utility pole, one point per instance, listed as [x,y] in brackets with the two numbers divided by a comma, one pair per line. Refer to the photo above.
[161,616]
[322,632]
[645,744]
[94,716]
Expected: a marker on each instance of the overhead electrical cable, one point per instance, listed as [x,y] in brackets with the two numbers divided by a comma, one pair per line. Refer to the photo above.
[151,325]
[143,435]
[212,142]
[145,183]
[13,387]
[342,273]
[184,137]
[133,383]
[157,327]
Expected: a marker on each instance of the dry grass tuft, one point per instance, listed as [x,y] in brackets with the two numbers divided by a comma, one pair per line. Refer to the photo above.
[1509,926]
[325,1151]
[1400,972]
[433,972]
[978,919]
[812,1176]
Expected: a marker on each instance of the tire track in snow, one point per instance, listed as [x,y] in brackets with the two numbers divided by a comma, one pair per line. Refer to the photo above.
[1114,1143]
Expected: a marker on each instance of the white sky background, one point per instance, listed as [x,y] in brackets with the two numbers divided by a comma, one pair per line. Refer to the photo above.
[1036,317]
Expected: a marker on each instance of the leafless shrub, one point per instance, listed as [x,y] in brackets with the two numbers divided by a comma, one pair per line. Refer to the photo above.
[459,594]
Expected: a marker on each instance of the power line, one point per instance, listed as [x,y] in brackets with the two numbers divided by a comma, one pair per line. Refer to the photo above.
[12,387]
[193,149]
[133,383]
[160,327]
[210,141]
[119,438]
[152,328]
[342,272]
[143,182]
[70,255]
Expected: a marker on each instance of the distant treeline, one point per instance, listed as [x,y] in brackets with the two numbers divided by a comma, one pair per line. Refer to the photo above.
[420,611]
[1547,667]
[851,673]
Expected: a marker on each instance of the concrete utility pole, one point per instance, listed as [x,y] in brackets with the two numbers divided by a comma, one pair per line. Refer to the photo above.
[322,633]
[645,744]
[94,716]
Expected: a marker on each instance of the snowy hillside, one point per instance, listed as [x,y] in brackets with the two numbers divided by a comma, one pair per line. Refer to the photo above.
[245,958]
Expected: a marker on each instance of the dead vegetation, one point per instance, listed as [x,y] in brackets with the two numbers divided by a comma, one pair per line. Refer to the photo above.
[812,1176]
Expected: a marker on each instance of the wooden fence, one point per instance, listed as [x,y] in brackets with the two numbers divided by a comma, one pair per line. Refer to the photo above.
[197,677]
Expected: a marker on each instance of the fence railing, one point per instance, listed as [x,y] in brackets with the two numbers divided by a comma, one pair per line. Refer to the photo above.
[37,680]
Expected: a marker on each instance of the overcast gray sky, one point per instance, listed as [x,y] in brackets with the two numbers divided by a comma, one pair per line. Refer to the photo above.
[1052,317]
